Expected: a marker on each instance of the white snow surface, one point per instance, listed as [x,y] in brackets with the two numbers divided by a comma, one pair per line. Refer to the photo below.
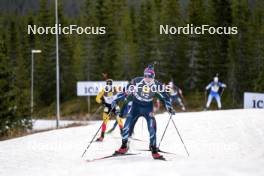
[42,124]
[227,142]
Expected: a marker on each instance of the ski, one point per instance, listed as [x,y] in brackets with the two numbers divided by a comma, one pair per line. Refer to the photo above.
[161,151]
[131,138]
[162,159]
[112,156]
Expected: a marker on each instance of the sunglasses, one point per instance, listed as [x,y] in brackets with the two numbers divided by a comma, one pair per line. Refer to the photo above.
[149,76]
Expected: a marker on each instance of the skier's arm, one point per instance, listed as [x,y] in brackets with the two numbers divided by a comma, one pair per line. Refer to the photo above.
[98,98]
[208,86]
[120,97]
[222,85]
[179,92]
[165,98]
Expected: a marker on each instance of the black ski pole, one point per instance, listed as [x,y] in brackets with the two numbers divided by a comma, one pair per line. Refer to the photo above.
[90,143]
[165,131]
[222,92]
[179,136]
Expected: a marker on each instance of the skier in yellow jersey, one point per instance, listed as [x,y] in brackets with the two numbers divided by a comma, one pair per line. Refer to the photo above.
[105,97]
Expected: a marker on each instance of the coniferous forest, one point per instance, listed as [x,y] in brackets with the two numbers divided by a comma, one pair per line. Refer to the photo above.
[132,41]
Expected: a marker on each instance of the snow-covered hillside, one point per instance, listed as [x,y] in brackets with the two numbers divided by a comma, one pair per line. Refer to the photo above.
[220,143]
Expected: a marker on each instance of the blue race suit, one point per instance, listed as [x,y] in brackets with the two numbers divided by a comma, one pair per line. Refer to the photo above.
[142,105]
[175,96]
[214,93]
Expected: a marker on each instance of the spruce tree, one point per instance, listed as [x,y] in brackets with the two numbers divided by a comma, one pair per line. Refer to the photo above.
[45,62]
[240,53]
[173,47]
[220,15]
[145,38]
[7,97]
[197,47]
[126,55]
[90,44]
[112,11]
[22,74]
[257,24]
[66,61]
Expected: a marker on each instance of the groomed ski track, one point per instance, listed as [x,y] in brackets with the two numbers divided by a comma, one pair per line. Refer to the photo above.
[227,142]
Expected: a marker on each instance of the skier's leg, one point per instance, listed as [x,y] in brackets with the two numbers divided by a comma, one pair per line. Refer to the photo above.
[119,122]
[124,110]
[127,126]
[152,128]
[115,111]
[125,133]
[210,97]
[118,118]
[105,121]
[218,100]
[133,123]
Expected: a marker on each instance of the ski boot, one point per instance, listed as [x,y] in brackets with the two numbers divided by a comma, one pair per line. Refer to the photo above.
[101,138]
[157,148]
[155,154]
[123,149]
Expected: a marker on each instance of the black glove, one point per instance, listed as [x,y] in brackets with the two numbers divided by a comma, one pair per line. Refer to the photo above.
[171,111]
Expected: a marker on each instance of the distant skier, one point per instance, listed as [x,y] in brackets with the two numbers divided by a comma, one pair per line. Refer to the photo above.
[176,95]
[143,106]
[106,97]
[214,87]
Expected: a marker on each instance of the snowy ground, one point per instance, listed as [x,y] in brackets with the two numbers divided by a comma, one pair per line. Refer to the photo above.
[41,124]
[221,143]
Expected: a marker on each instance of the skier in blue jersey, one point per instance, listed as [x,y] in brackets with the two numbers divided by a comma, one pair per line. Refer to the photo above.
[144,90]
[214,87]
